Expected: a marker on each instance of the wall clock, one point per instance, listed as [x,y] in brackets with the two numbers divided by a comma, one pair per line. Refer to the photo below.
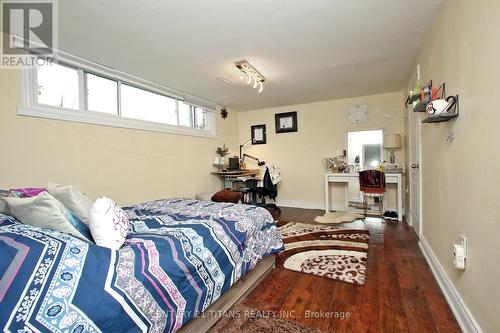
[358,113]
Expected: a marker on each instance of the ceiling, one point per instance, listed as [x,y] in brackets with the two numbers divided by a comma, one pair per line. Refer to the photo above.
[307,50]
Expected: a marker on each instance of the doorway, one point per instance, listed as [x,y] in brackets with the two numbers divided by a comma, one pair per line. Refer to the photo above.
[415,213]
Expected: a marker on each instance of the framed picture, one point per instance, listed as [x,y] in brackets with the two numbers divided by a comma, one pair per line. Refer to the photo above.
[258,134]
[286,122]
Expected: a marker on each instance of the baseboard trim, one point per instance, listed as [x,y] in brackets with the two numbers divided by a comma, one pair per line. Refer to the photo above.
[406,215]
[300,204]
[464,317]
[309,204]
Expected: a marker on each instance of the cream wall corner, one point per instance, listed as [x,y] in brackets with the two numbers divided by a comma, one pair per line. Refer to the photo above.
[460,179]
[130,166]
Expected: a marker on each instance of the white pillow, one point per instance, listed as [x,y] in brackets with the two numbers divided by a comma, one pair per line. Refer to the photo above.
[74,199]
[108,223]
[45,211]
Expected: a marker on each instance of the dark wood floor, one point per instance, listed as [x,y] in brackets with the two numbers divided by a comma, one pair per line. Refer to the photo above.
[400,293]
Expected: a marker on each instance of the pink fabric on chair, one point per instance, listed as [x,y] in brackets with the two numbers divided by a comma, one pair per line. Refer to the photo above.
[372,181]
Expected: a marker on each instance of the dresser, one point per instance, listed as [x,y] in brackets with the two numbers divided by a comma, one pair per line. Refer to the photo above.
[346,178]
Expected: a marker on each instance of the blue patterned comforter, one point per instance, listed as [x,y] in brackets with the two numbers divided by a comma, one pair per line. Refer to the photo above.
[179,257]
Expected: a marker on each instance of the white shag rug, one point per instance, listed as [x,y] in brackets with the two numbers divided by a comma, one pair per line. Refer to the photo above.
[338,217]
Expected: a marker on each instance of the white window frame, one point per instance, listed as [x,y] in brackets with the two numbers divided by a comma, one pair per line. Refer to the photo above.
[30,107]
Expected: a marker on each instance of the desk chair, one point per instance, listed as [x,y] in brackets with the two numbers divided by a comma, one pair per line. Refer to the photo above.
[248,185]
[372,184]
[268,189]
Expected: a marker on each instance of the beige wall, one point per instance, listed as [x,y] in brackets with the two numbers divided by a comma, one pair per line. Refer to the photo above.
[461,180]
[322,132]
[130,166]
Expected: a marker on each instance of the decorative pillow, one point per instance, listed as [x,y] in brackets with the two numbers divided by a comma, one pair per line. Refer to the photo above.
[76,201]
[227,195]
[45,211]
[108,223]
[27,192]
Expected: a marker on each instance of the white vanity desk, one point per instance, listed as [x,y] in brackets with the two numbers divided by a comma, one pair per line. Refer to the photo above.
[390,178]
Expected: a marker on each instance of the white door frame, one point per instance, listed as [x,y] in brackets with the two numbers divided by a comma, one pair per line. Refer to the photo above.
[415,117]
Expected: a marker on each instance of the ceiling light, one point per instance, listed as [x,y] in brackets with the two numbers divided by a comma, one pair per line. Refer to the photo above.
[251,74]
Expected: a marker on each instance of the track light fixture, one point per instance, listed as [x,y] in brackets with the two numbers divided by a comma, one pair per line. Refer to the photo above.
[251,74]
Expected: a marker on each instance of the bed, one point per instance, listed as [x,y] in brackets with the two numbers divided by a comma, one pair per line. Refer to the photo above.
[180,256]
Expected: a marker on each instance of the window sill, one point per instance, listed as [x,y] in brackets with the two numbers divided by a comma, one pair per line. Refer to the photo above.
[98,118]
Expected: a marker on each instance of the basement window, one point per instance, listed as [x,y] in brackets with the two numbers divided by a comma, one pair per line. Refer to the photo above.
[58,86]
[185,114]
[81,91]
[142,104]
[101,94]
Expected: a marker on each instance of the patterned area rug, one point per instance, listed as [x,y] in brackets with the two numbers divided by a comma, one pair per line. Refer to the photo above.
[242,319]
[331,252]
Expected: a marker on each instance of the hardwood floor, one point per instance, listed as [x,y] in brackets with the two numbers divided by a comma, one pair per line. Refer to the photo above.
[400,293]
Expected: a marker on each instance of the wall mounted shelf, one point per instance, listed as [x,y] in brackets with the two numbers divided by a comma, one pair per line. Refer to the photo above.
[428,94]
[452,113]
[439,119]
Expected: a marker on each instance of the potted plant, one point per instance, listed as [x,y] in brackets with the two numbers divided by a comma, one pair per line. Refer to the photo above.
[221,153]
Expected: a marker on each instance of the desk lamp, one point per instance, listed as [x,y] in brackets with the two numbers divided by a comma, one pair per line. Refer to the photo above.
[392,142]
[259,162]
[243,145]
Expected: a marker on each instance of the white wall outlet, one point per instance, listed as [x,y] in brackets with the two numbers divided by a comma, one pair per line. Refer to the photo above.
[460,253]
[463,242]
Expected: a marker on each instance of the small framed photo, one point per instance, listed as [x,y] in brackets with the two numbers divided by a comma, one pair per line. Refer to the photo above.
[258,134]
[286,122]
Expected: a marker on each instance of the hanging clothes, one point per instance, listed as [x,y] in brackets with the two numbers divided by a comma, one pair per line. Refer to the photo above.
[275,173]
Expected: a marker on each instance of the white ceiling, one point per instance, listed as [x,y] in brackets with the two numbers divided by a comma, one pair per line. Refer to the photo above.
[307,50]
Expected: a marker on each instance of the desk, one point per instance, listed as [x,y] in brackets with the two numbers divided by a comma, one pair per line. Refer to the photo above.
[233,174]
[390,178]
